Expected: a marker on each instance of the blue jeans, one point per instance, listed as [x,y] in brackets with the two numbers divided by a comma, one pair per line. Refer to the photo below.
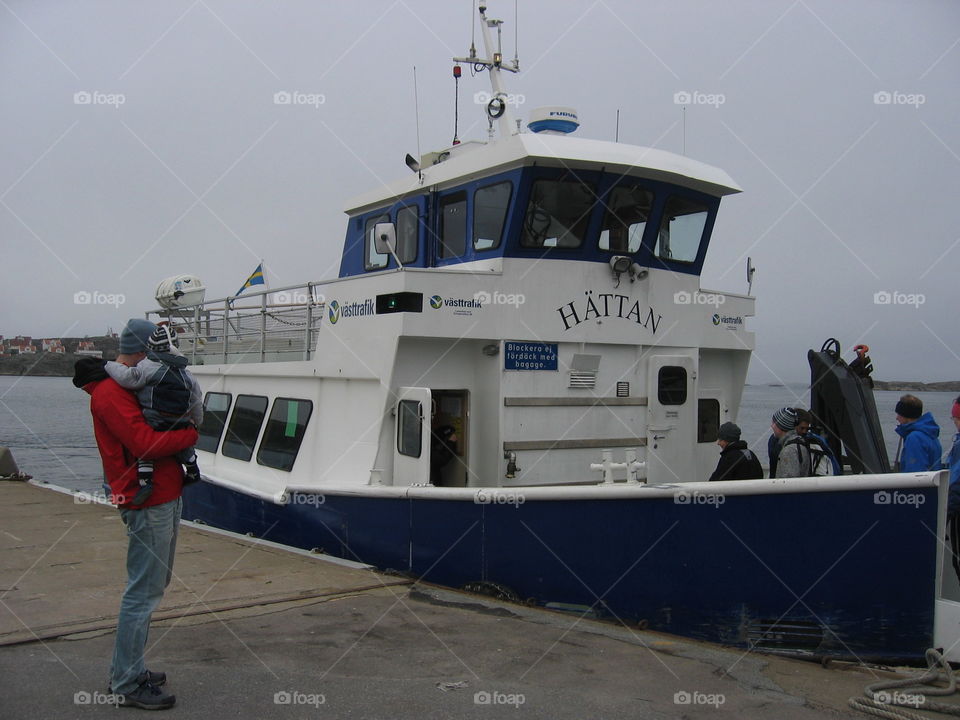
[152,542]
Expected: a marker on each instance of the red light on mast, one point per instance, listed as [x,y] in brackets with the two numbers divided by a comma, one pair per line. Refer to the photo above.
[456,71]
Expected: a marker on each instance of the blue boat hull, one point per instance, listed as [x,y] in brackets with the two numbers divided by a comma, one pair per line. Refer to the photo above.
[825,574]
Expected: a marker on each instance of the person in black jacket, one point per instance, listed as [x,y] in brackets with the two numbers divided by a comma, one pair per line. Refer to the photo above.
[737,462]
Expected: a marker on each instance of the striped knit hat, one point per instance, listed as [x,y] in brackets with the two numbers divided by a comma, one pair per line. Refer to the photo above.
[785,418]
[161,340]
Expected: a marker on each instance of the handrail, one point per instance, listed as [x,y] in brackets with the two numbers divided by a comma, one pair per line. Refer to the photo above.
[271,325]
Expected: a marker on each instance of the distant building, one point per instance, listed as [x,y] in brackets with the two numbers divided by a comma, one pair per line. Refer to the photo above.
[54,345]
[86,347]
[19,347]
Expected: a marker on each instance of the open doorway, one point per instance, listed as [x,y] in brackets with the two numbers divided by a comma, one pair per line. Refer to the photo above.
[449,457]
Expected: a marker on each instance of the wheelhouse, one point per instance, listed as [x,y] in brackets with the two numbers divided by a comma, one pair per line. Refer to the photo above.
[558,213]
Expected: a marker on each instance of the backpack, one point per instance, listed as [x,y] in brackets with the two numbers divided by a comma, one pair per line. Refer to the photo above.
[822,461]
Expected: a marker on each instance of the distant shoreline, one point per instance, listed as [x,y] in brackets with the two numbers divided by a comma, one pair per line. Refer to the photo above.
[915,386]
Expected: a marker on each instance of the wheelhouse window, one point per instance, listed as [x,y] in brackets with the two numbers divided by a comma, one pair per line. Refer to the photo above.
[681,230]
[625,218]
[558,213]
[215,409]
[708,420]
[408,226]
[372,260]
[410,428]
[284,433]
[489,214]
[453,225]
[672,385]
[244,427]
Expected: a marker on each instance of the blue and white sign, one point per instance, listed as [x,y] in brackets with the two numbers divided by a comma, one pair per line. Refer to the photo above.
[529,356]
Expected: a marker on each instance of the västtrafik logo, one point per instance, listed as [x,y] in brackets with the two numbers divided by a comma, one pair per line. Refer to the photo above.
[436,302]
[334,312]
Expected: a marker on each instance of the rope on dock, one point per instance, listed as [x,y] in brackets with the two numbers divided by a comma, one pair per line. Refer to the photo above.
[881,697]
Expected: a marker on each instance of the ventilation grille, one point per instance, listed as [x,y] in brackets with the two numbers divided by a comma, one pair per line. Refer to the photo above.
[623,389]
[579,379]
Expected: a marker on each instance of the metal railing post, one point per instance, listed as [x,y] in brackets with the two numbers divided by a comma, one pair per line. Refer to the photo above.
[196,334]
[263,327]
[309,336]
[226,328]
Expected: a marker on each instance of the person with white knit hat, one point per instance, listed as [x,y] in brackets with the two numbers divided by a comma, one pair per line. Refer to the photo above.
[795,462]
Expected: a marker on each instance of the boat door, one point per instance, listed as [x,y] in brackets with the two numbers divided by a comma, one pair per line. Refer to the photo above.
[411,452]
[671,420]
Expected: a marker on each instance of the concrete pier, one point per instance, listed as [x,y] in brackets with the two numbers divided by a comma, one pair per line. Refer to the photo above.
[251,631]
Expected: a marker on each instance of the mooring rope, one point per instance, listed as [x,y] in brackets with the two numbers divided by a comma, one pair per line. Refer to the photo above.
[881,697]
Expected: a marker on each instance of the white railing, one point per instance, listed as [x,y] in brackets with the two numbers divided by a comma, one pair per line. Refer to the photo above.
[263,326]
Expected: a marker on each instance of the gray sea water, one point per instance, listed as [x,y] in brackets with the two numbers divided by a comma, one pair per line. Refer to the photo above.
[45,421]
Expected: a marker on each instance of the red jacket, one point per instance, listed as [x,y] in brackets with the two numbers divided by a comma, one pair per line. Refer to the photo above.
[123,435]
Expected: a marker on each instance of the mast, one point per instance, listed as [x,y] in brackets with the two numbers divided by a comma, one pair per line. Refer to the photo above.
[498,108]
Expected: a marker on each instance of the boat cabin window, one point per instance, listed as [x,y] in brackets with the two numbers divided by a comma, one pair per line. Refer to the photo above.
[284,433]
[244,427]
[672,385]
[409,428]
[372,260]
[408,221]
[708,420]
[558,213]
[215,408]
[453,225]
[681,230]
[625,219]
[489,214]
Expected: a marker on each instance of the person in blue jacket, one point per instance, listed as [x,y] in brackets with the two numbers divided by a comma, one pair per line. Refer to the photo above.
[921,449]
[953,497]
[953,462]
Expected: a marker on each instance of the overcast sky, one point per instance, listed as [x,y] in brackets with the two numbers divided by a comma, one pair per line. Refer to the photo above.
[142,140]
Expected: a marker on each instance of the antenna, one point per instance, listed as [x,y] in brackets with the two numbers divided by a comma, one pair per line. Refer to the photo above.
[516,36]
[416,105]
[473,30]
[616,137]
[750,271]
[683,118]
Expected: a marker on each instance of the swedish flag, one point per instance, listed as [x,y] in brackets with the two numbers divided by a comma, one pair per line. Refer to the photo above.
[256,278]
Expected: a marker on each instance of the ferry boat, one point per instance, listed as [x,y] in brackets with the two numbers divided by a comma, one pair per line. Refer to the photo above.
[535,298]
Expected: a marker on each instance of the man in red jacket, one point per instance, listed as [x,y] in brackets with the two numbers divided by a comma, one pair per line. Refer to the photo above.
[123,435]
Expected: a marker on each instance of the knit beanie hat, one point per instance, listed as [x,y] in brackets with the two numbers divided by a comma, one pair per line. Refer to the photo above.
[908,410]
[729,431]
[135,336]
[161,340]
[955,411]
[785,418]
[88,370]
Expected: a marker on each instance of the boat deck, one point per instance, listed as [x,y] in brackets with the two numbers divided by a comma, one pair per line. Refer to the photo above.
[248,626]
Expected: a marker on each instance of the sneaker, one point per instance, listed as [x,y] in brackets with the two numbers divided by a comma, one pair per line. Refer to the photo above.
[154,678]
[147,697]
